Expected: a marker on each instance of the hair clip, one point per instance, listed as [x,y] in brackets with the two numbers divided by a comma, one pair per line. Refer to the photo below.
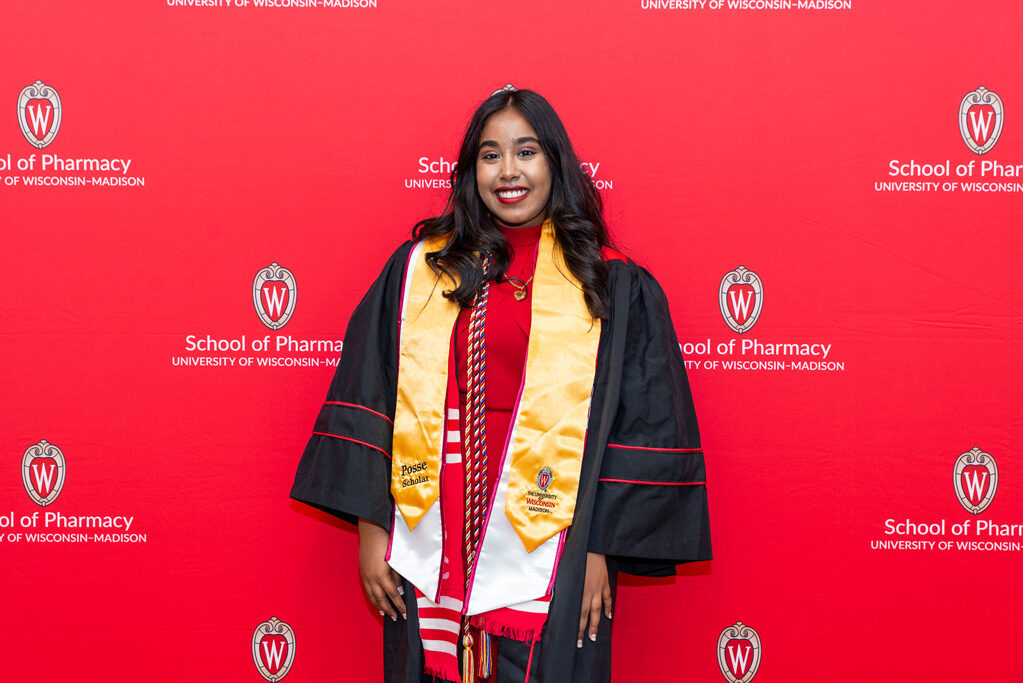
[507,88]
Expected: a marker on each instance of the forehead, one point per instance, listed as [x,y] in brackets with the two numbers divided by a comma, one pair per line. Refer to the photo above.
[506,126]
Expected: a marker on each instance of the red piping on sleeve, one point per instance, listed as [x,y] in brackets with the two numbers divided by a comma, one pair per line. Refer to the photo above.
[363,443]
[356,405]
[662,450]
[658,483]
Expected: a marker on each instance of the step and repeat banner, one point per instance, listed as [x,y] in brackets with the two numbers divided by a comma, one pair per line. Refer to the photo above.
[196,193]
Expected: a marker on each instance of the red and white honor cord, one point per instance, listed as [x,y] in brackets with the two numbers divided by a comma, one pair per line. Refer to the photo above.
[475,447]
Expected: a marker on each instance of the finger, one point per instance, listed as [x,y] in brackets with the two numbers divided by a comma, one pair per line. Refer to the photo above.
[397,582]
[584,616]
[392,593]
[594,615]
[382,602]
[607,601]
[368,590]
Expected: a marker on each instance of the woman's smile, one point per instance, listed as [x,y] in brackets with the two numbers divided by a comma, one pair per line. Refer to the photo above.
[512,195]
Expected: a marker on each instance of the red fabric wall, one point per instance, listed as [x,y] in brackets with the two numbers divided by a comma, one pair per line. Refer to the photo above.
[721,137]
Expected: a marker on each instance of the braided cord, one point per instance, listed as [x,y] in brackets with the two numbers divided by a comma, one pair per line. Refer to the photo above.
[475,437]
[475,449]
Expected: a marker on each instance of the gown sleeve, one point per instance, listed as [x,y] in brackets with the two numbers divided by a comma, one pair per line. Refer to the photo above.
[346,467]
[651,510]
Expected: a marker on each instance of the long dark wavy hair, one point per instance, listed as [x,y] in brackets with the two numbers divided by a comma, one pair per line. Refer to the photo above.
[574,207]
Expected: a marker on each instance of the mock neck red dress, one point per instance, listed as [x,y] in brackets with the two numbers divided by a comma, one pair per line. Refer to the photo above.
[507,337]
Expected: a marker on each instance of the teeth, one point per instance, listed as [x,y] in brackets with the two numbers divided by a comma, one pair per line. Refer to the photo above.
[510,194]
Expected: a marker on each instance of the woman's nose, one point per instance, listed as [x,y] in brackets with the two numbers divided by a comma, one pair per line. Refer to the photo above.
[509,167]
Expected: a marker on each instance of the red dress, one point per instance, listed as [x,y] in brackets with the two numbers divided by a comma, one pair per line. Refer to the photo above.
[506,333]
[507,337]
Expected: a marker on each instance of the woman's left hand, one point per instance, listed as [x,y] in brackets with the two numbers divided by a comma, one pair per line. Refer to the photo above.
[596,594]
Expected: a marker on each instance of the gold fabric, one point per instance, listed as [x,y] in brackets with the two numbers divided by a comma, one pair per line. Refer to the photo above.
[427,320]
[549,429]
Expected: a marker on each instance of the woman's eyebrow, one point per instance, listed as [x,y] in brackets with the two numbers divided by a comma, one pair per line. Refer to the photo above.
[519,141]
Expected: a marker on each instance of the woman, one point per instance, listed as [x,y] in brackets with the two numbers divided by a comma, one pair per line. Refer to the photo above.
[510,423]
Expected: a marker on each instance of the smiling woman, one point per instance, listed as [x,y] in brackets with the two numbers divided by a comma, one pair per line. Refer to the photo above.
[536,436]
[515,141]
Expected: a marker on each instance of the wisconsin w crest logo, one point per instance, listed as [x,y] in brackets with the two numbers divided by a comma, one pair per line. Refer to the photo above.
[543,479]
[273,649]
[975,480]
[42,472]
[39,114]
[274,293]
[980,119]
[741,296]
[739,653]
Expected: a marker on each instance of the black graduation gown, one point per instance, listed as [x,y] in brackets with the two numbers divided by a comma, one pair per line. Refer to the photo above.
[644,506]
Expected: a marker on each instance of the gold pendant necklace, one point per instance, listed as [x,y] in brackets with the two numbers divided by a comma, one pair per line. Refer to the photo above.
[520,290]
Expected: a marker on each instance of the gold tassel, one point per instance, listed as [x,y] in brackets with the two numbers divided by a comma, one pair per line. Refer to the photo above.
[468,673]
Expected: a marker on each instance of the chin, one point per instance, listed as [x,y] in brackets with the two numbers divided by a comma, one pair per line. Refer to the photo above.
[518,219]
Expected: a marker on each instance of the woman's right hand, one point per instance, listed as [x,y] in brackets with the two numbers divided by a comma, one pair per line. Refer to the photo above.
[378,579]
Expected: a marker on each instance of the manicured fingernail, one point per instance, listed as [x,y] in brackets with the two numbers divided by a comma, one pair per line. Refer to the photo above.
[608,615]
[394,617]
[579,643]
[593,637]
[401,590]
[381,613]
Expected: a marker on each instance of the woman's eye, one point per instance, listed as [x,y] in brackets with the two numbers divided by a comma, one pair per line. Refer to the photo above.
[527,152]
[489,156]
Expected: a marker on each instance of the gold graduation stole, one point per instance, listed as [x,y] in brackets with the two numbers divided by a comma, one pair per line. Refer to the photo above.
[549,428]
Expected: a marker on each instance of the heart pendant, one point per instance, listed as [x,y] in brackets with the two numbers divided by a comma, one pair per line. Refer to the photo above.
[520,294]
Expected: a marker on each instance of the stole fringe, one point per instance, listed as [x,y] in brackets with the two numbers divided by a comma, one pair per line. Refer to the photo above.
[445,670]
[497,628]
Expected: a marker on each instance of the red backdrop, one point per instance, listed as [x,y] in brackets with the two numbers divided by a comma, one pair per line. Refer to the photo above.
[304,136]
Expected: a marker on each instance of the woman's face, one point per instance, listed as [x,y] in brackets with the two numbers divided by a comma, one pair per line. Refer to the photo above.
[512,175]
